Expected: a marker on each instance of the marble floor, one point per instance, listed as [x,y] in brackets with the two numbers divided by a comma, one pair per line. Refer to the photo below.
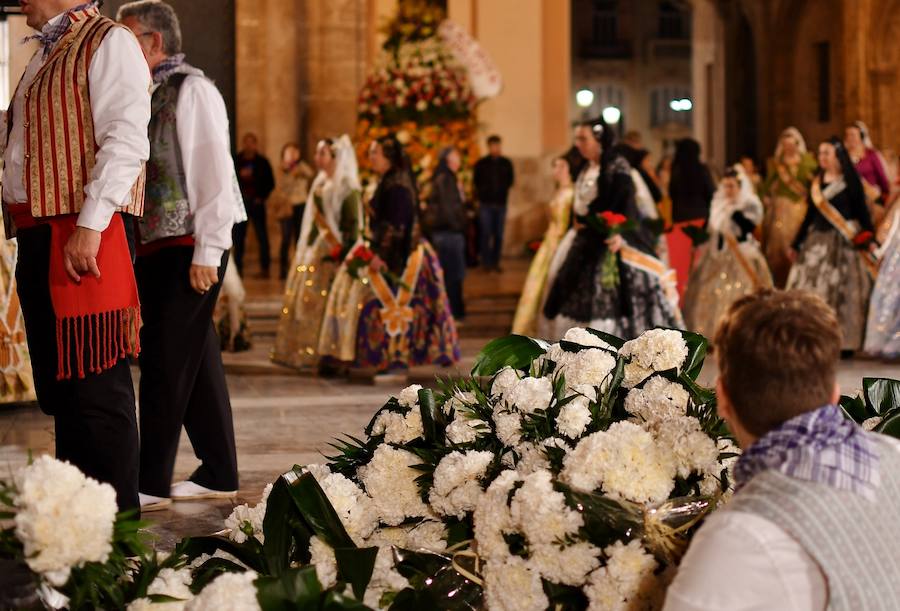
[282,418]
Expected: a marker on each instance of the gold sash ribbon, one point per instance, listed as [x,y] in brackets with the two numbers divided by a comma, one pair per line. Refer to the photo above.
[843,226]
[735,249]
[396,313]
[791,182]
[653,266]
[325,229]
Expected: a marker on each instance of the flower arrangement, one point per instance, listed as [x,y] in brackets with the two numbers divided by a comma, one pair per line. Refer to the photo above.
[608,224]
[565,476]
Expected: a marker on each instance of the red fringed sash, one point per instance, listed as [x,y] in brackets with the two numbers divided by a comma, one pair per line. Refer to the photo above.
[97,320]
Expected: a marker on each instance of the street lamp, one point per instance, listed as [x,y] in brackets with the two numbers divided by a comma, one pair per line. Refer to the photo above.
[682,105]
[612,115]
[584,98]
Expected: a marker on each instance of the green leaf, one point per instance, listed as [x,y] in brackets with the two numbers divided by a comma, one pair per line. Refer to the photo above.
[249,552]
[296,589]
[355,566]
[855,409]
[211,569]
[881,394]
[612,340]
[284,530]
[890,425]
[432,417]
[316,509]
[697,349]
[516,351]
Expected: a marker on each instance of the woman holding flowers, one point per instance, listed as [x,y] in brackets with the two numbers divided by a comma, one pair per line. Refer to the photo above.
[833,249]
[331,224]
[732,264]
[605,274]
[388,309]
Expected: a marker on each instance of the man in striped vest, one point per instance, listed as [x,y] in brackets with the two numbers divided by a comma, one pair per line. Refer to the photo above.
[813,522]
[75,148]
[192,203]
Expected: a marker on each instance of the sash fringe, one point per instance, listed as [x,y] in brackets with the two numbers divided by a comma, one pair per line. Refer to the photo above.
[108,337]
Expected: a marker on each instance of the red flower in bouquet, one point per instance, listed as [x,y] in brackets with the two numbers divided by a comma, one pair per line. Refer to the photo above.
[613,219]
[863,239]
[609,224]
[335,253]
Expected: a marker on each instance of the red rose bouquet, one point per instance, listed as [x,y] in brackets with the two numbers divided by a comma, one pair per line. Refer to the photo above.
[608,224]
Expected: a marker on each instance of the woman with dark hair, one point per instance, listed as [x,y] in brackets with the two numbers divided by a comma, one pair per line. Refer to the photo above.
[388,308]
[833,247]
[691,189]
[731,263]
[446,225]
[640,296]
[332,221]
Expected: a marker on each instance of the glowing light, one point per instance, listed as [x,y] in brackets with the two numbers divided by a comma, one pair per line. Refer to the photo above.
[682,105]
[612,115]
[584,98]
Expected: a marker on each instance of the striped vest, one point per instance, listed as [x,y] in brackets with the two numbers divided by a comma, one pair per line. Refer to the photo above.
[60,147]
[854,541]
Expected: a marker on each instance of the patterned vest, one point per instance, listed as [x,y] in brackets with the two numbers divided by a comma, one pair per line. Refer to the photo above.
[167,211]
[854,541]
[60,148]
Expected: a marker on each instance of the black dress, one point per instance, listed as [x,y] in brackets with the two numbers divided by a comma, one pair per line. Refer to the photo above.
[575,295]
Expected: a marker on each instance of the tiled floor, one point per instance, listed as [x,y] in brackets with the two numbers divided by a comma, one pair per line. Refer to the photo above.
[282,418]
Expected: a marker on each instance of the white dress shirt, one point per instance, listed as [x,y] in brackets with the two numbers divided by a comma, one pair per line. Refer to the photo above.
[119,85]
[740,561]
[202,124]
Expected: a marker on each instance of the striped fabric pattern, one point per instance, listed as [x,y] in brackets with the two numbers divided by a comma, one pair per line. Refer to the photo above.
[853,539]
[60,147]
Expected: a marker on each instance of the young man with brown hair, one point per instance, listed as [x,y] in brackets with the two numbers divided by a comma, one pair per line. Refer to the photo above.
[811,525]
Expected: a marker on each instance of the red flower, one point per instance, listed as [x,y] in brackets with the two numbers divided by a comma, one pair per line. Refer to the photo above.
[613,219]
[862,238]
[336,252]
[363,253]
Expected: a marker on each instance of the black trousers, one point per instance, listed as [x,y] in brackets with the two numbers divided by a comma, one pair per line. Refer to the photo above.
[95,422]
[256,214]
[182,377]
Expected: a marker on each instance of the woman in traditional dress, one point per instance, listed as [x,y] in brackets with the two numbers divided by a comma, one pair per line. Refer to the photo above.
[331,224]
[871,168]
[288,200]
[788,176]
[394,313]
[731,264]
[829,262]
[16,379]
[883,326]
[642,294]
[560,209]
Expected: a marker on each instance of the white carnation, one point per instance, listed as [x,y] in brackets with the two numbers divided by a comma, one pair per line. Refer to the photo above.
[389,478]
[589,367]
[512,585]
[574,417]
[409,396]
[655,350]
[322,557]
[399,428]
[579,335]
[457,482]
[504,382]
[227,592]
[319,472]
[63,518]
[464,429]
[658,400]
[569,565]
[174,584]
[492,517]
[694,451]
[541,513]
[385,578]
[712,484]
[627,582]
[625,461]
[531,458]
[531,394]
[556,354]
[509,427]
[358,513]
[459,401]
[244,517]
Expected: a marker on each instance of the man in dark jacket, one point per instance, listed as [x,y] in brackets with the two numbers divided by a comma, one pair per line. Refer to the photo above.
[257,181]
[494,178]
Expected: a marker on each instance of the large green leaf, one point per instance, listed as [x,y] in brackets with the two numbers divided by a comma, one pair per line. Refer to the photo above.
[890,425]
[284,529]
[209,570]
[432,417]
[855,409]
[355,566]
[316,509]
[697,349]
[435,583]
[882,394]
[294,590]
[516,351]
[606,520]
[250,552]
[612,340]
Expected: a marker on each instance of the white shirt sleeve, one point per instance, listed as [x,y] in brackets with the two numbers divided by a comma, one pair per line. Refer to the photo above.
[209,170]
[119,84]
[742,562]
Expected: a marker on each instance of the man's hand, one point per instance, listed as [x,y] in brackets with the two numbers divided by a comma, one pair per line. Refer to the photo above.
[203,277]
[81,253]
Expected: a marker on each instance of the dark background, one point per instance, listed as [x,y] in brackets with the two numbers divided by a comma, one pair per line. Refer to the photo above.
[207,32]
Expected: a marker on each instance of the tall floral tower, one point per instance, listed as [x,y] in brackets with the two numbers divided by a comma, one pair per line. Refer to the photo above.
[425,88]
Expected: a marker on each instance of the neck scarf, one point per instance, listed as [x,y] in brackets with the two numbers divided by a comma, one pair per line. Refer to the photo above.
[54,29]
[820,446]
[167,68]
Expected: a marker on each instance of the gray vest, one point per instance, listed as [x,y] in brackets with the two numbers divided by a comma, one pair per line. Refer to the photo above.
[167,212]
[854,541]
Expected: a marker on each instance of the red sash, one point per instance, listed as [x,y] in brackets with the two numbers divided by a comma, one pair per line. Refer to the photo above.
[97,320]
